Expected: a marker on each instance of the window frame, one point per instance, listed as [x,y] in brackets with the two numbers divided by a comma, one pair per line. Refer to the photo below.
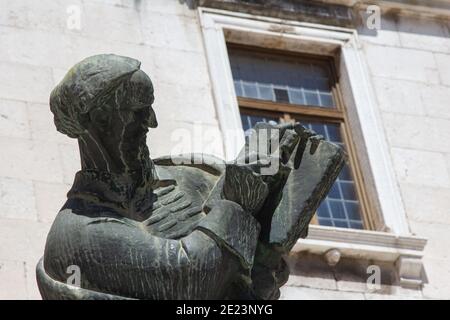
[336,114]
[392,242]
[221,26]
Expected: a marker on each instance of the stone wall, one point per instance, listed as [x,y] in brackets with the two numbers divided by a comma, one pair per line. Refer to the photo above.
[409,62]
[37,164]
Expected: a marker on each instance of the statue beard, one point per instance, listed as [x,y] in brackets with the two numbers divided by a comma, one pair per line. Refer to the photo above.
[138,162]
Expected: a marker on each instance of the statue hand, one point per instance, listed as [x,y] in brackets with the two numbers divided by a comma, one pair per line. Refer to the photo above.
[245,186]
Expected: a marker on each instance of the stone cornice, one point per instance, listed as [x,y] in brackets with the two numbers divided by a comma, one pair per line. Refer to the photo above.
[431,8]
[342,13]
[405,252]
[299,10]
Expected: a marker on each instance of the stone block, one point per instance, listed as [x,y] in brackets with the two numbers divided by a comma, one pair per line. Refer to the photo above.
[443,65]
[22,239]
[435,100]
[24,82]
[387,35]
[14,119]
[420,168]
[427,204]
[437,234]
[17,199]
[447,157]
[184,103]
[377,296]
[30,14]
[36,47]
[30,275]
[12,14]
[80,48]
[319,281]
[352,275]
[70,159]
[172,32]
[177,137]
[180,67]
[71,48]
[19,43]
[424,34]
[399,96]
[26,160]
[352,286]
[438,274]
[116,3]
[12,280]
[58,74]
[295,293]
[399,63]
[417,132]
[309,271]
[111,23]
[50,197]
[174,7]
[169,7]
[42,125]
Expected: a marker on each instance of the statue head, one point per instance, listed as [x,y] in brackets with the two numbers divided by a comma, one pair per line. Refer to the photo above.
[105,101]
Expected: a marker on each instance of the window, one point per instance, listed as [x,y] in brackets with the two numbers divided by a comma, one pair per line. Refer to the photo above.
[284,87]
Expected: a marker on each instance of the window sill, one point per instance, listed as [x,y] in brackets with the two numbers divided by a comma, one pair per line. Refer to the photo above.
[404,251]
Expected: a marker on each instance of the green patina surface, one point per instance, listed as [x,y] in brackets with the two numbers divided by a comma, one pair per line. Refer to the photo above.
[173,228]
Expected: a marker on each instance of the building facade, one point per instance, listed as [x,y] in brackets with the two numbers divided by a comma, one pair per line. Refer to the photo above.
[372,76]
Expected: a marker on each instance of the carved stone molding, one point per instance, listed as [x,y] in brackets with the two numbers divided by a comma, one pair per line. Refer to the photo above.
[410,272]
[306,11]
[405,252]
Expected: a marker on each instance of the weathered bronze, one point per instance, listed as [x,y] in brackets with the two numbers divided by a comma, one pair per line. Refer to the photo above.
[203,229]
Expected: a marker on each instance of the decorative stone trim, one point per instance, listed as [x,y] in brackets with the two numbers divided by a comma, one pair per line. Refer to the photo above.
[308,11]
[410,270]
[405,252]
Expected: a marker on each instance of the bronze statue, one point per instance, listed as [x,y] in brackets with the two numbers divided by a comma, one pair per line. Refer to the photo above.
[143,229]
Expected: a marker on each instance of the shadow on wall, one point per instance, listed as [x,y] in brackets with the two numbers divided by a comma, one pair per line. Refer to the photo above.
[392,21]
[348,275]
[191,4]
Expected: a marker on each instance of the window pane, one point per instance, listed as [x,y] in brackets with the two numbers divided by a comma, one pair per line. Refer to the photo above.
[281,79]
[296,96]
[281,95]
[265,92]
[312,98]
[249,121]
[250,90]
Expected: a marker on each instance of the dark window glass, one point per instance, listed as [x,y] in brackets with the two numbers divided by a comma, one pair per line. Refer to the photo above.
[280,79]
[287,79]
[249,121]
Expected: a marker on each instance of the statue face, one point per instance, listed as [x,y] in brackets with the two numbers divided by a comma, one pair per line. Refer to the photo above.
[122,123]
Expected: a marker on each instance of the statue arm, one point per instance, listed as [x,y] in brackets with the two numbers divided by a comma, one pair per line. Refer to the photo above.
[217,255]
[233,229]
